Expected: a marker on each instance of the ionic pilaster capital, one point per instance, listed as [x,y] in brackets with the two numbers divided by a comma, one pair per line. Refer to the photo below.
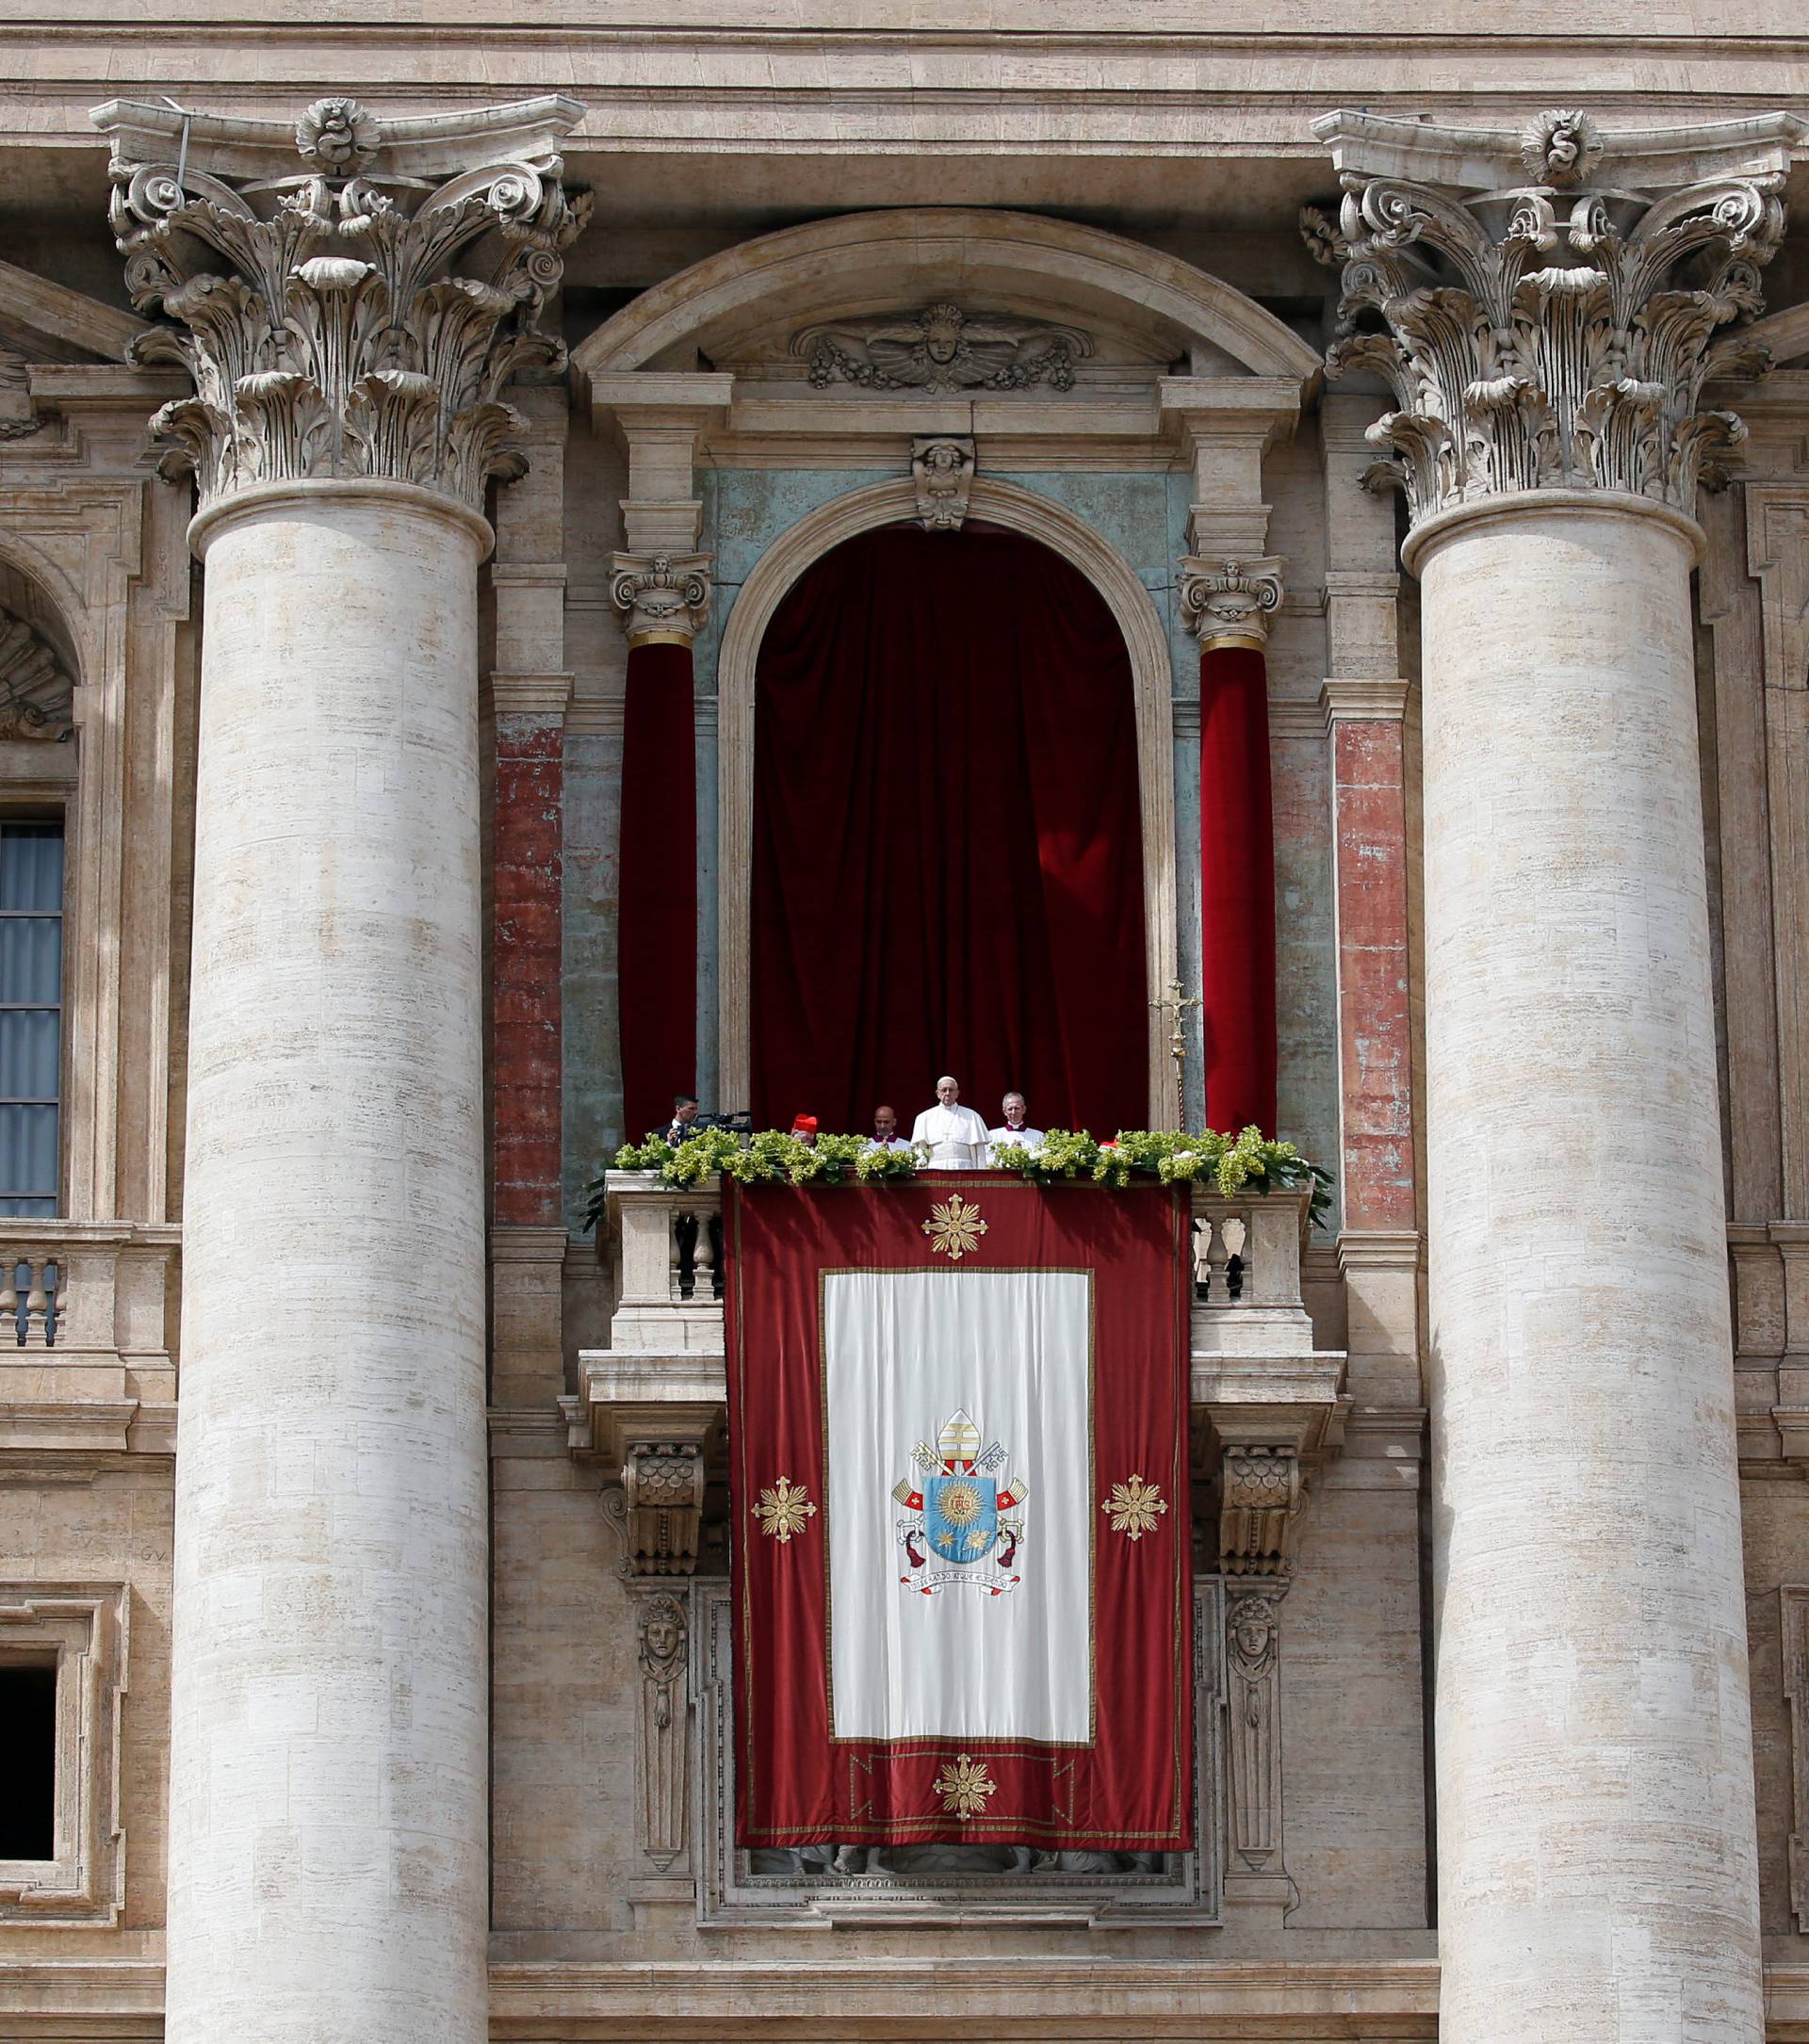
[1544,305]
[308,273]
[663,598]
[1230,603]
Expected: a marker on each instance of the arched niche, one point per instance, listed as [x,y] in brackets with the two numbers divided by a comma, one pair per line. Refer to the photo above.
[777,569]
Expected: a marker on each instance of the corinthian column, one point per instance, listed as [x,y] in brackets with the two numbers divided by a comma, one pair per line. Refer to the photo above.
[328,1739]
[1544,309]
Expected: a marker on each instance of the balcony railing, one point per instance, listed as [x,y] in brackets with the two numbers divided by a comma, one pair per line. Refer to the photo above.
[666,1247]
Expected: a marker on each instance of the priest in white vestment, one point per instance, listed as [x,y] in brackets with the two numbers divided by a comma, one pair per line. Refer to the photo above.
[953,1135]
[1016,1131]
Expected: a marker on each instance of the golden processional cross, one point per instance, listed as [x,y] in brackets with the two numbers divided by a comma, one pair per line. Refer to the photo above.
[1176,1007]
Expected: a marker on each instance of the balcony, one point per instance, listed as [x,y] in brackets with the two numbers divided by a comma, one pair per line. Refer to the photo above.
[1263,1397]
[86,1308]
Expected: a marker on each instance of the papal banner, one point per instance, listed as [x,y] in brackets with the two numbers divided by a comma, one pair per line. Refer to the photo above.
[958,1415]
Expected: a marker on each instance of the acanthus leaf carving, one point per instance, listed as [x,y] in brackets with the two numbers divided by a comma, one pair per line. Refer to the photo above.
[1557,334]
[944,349]
[322,319]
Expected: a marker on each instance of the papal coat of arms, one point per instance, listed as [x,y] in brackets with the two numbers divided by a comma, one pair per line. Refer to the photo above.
[960,1521]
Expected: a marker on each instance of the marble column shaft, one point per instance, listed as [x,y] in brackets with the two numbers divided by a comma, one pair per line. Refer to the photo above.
[1545,310]
[329,1737]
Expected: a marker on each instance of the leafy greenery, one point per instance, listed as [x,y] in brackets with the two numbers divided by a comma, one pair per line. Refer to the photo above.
[1230,1163]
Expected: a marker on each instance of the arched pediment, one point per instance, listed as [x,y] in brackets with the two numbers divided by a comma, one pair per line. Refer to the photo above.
[757,307]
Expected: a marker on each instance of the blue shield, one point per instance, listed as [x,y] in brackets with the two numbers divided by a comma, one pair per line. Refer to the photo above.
[961,1515]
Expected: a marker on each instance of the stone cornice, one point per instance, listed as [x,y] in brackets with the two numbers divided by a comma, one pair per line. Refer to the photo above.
[1544,305]
[340,342]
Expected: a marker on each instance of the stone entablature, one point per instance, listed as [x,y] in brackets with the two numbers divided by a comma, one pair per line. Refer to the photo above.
[341,341]
[1546,305]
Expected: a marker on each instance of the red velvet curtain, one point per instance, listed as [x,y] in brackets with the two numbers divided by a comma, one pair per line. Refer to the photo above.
[657,923]
[948,870]
[1237,889]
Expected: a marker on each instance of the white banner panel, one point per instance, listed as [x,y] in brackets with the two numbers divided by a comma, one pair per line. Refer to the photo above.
[959,1503]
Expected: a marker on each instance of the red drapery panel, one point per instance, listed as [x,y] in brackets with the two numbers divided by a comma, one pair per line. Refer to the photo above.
[811,1500]
[656,927]
[948,870]
[1237,889]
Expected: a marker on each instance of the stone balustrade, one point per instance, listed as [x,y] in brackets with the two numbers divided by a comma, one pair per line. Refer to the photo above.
[85,1311]
[31,1297]
[1259,1383]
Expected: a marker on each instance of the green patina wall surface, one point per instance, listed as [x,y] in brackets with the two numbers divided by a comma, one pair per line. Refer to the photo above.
[1144,518]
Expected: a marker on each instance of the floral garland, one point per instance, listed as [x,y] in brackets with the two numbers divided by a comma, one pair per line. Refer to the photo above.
[1229,1162]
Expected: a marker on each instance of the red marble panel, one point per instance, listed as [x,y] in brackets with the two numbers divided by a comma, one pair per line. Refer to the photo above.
[1374,1018]
[526,963]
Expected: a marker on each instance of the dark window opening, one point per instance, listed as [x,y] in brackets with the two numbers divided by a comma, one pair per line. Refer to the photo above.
[28,1780]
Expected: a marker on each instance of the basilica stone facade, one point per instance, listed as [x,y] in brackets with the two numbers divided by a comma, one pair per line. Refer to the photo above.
[415,427]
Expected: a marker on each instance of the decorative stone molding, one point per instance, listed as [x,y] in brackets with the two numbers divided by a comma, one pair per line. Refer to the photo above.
[1556,333]
[662,1760]
[84,1628]
[944,349]
[340,341]
[952,1885]
[942,469]
[37,695]
[1230,603]
[663,598]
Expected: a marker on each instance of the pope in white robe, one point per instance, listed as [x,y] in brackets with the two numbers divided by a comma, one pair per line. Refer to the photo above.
[954,1135]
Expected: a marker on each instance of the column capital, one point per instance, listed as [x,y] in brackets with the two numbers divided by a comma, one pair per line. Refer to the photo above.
[663,598]
[311,270]
[1544,305]
[1230,603]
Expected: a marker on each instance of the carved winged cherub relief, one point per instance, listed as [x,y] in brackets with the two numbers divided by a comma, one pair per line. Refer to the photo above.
[944,349]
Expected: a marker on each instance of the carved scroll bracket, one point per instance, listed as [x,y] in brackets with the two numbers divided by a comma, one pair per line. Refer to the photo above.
[942,469]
